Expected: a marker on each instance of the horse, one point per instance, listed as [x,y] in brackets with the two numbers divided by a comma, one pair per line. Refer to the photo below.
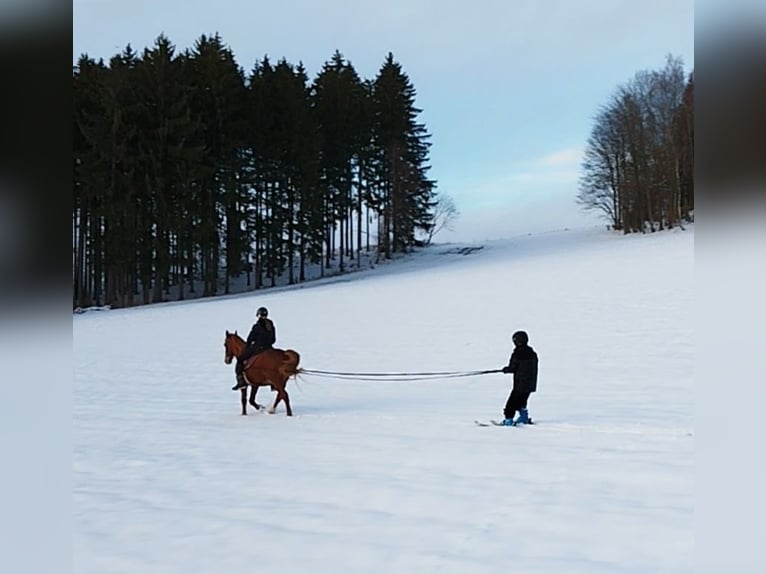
[271,367]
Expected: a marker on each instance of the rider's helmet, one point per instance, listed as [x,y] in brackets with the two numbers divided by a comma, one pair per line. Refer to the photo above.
[262,312]
[520,338]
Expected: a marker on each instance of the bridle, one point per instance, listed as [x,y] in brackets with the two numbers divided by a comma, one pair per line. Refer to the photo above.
[229,354]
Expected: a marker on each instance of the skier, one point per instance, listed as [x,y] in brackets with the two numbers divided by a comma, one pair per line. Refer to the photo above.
[262,336]
[523,365]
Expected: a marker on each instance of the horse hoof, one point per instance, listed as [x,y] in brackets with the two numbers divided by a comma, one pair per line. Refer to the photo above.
[272,411]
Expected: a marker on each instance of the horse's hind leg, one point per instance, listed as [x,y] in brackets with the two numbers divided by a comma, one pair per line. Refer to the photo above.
[278,400]
[283,396]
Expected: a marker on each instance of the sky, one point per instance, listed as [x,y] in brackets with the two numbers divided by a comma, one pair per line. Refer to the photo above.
[392,477]
[508,89]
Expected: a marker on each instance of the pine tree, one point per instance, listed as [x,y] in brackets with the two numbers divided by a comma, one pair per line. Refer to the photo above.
[167,150]
[261,150]
[90,178]
[183,168]
[120,151]
[218,89]
[406,195]
[341,108]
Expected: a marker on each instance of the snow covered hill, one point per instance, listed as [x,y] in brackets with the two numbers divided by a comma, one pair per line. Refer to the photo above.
[394,477]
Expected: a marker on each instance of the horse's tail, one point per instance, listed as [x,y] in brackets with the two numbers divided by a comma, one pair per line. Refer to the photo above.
[296,376]
[290,362]
[294,358]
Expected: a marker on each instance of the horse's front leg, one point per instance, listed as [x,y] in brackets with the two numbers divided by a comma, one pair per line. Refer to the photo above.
[243,393]
[252,397]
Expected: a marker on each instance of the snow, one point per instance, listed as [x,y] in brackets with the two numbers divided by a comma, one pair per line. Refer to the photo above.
[389,477]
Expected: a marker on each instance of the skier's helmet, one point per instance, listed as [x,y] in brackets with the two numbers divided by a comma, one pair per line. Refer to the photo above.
[520,338]
[262,312]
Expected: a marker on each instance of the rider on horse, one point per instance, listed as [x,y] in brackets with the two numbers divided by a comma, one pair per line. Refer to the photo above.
[262,336]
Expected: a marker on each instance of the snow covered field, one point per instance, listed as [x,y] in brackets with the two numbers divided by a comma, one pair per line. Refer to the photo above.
[394,477]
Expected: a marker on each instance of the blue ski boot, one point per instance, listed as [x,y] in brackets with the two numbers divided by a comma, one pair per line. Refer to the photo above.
[523,417]
[508,422]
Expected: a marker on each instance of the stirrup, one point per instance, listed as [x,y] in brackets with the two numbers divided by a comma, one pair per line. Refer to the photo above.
[241,383]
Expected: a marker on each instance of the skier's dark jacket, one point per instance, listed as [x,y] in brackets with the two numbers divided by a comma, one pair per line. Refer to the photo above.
[262,336]
[523,365]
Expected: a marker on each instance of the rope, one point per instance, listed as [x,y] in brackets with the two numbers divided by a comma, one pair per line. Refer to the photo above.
[423,376]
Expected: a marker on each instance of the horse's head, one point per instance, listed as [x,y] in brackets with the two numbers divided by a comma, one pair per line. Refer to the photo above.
[231,347]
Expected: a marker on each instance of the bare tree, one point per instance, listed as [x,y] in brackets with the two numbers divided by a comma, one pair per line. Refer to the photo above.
[601,176]
[630,170]
[445,214]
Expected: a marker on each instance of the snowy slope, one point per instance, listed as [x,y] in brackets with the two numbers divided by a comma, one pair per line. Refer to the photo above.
[389,477]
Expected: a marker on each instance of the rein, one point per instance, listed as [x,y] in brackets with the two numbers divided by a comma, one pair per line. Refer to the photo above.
[422,376]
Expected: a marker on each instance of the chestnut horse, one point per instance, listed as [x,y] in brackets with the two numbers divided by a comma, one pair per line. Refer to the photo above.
[271,367]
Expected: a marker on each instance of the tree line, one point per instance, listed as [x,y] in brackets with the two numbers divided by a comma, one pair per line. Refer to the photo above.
[638,164]
[190,173]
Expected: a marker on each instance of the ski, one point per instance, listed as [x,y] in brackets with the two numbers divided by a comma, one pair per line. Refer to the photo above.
[493,422]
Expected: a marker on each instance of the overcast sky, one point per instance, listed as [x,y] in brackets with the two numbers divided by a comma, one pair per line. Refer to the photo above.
[508,88]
